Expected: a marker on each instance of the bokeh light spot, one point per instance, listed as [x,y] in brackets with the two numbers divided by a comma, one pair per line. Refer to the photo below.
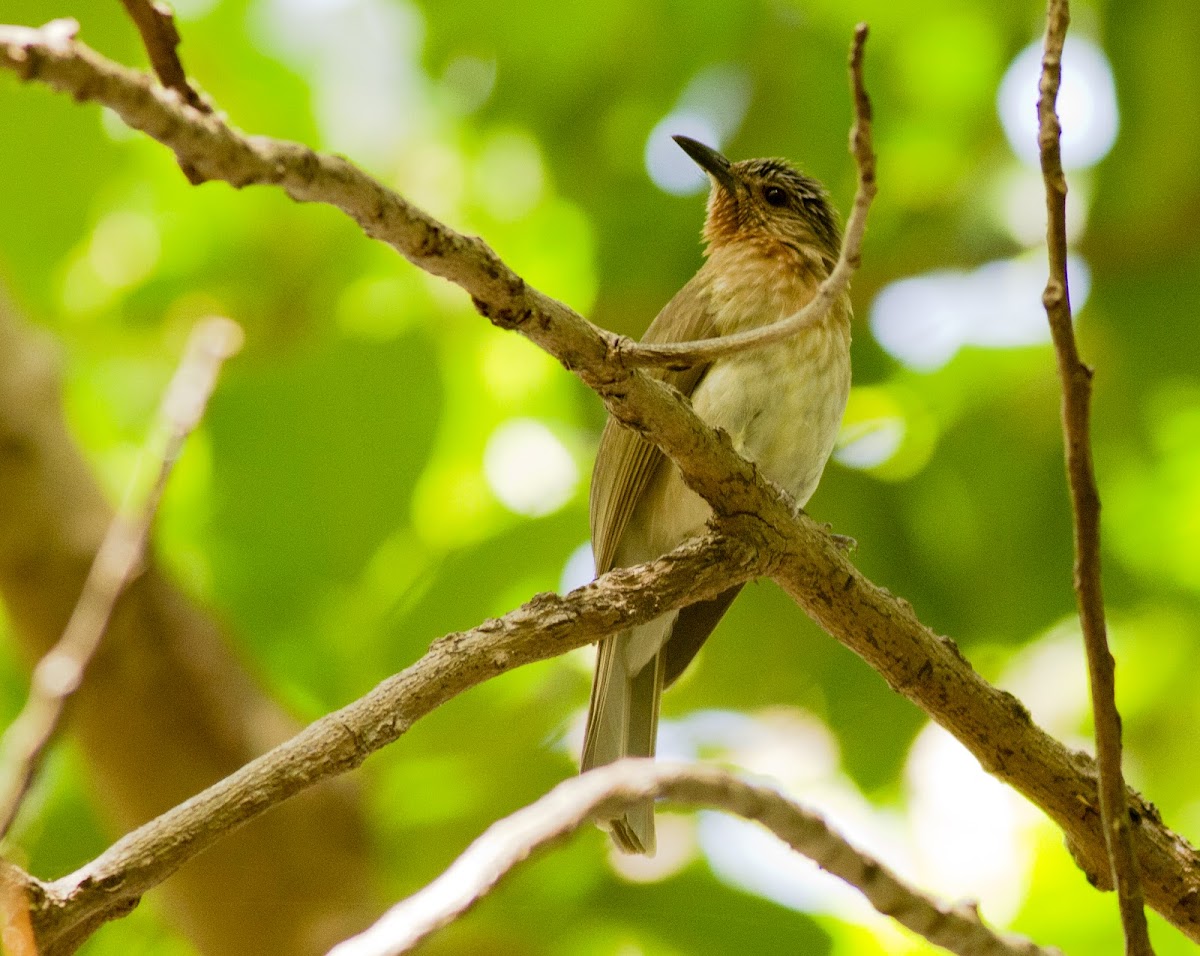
[669,167]
[1087,103]
[579,569]
[710,110]
[528,468]
[508,175]
[923,321]
[124,249]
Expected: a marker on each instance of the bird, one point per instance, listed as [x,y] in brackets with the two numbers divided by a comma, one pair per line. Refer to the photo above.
[771,236]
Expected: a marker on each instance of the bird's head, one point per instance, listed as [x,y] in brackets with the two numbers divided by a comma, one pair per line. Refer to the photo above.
[766,201]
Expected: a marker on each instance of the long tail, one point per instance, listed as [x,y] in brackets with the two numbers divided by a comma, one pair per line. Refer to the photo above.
[623,722]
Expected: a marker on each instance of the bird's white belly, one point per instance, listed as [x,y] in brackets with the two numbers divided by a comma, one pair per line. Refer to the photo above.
[782,407]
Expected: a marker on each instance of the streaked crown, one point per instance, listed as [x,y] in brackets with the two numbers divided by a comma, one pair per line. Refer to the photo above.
[767,201]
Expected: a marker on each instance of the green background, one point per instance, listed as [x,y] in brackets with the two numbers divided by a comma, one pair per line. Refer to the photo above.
[335,509]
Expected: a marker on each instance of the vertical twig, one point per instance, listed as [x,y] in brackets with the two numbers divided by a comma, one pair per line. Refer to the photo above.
[1085,499]
[60,672]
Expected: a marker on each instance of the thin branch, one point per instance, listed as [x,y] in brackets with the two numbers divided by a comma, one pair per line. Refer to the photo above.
[544,627]
[61,670]
[605,792]
[1085,499]
[836,284]
[883,629]
[155,21]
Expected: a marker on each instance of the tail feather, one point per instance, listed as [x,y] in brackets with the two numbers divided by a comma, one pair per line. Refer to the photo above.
[623,721]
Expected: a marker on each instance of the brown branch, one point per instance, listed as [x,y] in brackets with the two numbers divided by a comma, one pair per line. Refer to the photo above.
[678,354]
[155,21]
[60,672]
[1085,500]
[16,930]
[546,626]
[926,668]
[607,791]
[219,152]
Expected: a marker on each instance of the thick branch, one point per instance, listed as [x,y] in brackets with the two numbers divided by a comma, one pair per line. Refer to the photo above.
[930,671]
[606,792]
[1085,500]
[545,627]
[883,629]
[60,672]
[676,354]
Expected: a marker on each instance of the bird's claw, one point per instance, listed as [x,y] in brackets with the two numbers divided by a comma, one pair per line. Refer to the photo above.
[843,542]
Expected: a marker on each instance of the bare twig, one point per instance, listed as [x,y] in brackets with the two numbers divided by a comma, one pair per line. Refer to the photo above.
[1085,499]
[60,672]
[607,791]
[678,354]
[155,21]
[172,707]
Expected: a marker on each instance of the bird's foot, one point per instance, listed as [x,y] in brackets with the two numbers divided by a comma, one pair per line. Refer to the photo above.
[843,542]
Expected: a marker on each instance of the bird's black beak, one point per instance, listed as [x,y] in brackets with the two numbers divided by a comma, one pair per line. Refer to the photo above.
[710,161]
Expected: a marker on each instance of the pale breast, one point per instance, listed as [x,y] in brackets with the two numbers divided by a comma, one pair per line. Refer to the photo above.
[782,405]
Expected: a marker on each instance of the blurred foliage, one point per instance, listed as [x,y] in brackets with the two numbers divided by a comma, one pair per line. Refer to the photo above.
[359,487]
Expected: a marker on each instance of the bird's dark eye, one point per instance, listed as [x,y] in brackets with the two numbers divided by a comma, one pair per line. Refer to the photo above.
[775,196]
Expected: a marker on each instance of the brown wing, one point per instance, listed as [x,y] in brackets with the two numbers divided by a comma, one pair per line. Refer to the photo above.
[625,462]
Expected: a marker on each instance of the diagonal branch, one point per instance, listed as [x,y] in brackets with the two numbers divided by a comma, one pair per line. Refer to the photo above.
[1085,500]
[219,152]
[546,626]
[155,21]
[61,670]
[606,792]
[682,354]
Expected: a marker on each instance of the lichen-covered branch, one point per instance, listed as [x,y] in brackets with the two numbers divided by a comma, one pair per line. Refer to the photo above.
[219,152]
[607,791]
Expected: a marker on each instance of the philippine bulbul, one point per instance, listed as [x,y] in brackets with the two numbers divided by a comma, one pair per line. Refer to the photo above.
[771,237]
